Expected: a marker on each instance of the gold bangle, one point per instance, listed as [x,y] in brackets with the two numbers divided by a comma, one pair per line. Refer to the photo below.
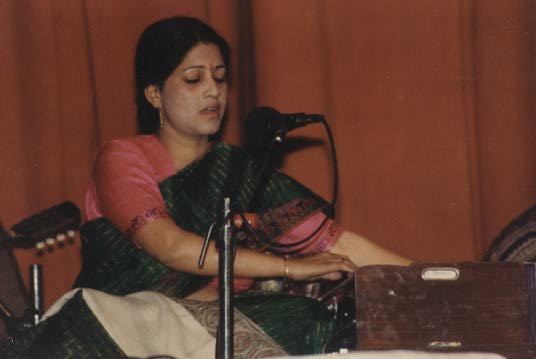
[287,274]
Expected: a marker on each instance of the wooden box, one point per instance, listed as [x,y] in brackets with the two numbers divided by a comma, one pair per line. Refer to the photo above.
[448,307]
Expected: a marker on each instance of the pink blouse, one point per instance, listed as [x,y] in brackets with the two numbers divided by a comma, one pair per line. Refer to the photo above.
[125,181]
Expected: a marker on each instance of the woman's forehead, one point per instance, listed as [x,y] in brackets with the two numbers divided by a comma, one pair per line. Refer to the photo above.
[203,55]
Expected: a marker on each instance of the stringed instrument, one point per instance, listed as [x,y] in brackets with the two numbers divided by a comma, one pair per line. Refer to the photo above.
[55,225]
[48,229]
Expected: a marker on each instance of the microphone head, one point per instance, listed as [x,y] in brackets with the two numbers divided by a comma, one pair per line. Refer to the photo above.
[264,124]
[261,125]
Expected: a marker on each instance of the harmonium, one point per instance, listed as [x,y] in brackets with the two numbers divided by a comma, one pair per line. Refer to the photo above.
[449,307]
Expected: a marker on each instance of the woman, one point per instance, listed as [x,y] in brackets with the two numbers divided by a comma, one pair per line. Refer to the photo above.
[153,198]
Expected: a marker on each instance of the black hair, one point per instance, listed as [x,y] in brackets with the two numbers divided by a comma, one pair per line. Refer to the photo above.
[161,48]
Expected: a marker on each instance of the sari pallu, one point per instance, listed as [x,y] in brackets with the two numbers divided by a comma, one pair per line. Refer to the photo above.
[193,197]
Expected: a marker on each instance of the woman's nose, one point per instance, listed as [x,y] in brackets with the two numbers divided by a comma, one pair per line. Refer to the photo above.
[212,88]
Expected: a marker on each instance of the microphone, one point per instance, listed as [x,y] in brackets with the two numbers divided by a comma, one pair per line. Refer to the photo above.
[265,122]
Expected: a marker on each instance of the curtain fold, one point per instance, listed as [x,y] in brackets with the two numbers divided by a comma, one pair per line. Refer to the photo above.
[431,105]
[47,135]
[505,101]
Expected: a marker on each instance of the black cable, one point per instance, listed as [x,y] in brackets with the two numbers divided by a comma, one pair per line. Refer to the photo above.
[335,168]
[262,174]
[274,246]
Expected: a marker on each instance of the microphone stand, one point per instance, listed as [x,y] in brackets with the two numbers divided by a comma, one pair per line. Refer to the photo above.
[226,246]
[225,337]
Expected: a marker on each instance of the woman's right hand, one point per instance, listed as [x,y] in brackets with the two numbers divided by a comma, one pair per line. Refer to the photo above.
[318,266]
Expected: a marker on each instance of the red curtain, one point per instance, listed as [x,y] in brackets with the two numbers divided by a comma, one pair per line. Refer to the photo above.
[430,104]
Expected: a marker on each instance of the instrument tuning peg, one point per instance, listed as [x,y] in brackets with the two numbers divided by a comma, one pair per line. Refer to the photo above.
[71,234]
[50,243]
[40,246]
[61,239]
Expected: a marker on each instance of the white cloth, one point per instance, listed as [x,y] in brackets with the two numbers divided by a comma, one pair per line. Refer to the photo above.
[146,323]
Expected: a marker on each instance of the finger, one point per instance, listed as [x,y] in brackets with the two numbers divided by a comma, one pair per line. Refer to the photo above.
[340,258]
[330,276]
[347,261]
[346,265]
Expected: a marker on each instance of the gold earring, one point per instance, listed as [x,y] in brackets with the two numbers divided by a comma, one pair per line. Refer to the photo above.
[160,117]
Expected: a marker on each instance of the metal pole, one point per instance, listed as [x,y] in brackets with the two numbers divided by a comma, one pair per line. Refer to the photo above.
[225,338]
[36,283]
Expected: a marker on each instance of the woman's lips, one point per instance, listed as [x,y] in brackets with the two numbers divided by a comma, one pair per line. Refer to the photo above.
[212,110]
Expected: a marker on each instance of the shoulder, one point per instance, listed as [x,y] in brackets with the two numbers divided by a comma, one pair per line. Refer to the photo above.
[123,156]
[129,145]
[131,149]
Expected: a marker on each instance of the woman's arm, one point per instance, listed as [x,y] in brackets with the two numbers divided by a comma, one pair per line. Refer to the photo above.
[362,251]
[180,249]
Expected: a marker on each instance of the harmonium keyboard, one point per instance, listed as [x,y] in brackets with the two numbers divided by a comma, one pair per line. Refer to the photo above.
[467,306]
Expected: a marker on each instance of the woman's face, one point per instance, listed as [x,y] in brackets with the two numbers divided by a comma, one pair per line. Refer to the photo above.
[194,96]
